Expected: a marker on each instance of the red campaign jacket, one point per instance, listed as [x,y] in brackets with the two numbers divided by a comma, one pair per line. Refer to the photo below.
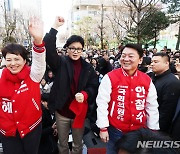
[128,100]
[26,114]
[20,101]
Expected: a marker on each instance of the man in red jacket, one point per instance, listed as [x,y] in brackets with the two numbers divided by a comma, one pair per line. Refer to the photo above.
[127,99]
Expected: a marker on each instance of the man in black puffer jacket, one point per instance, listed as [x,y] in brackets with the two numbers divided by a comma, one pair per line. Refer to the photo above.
[168,89]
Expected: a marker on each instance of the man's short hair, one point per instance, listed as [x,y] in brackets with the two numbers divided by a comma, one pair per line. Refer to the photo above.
[72,39]
[137,47]
[162,54]
[129,142]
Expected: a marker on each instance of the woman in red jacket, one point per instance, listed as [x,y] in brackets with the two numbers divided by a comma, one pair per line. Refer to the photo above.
[20,110]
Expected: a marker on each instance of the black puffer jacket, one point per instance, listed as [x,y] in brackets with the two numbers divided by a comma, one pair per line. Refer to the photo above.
[168,91]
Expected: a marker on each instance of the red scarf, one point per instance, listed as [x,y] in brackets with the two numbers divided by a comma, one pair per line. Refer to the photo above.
[80,110]
[9,81]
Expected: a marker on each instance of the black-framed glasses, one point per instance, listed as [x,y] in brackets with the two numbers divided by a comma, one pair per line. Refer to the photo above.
[72,49]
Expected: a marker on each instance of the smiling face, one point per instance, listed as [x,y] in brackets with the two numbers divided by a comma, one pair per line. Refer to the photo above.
[14,63]
[130,60]
[75,50]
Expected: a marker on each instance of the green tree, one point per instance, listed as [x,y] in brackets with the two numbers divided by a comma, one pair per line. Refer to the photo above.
[138,11]
[173,9]
[173,5]
[157,21]
[149,28]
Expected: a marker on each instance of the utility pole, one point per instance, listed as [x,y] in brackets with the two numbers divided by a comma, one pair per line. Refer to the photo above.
[101,27]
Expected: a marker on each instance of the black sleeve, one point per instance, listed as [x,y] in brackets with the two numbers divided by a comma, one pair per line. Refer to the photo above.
[92,86]
[52,57]
[46,123]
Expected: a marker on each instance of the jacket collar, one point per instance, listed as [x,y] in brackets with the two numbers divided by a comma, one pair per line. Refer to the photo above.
[163,74]
[126,74]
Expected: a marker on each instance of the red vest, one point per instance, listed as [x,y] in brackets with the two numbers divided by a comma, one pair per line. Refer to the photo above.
[128,100]
[22,112]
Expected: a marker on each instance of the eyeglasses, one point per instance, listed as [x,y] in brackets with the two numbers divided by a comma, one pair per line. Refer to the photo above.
[79,50]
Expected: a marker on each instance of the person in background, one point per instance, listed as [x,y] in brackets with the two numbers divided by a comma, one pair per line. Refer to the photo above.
[127,99]
[168,89]
[94,63]
[74,88]
[104,65]
[2,62]
[155,50]
[130,143]
[20,106]
[50,77]
[44,87]
[120,47]
[165,50]
[48,143]
[177,66]
[144,66]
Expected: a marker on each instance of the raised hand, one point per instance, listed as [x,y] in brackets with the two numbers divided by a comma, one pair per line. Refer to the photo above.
[36,29]
[59,21]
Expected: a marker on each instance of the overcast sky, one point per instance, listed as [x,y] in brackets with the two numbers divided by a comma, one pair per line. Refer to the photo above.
[50,9]
[53,8]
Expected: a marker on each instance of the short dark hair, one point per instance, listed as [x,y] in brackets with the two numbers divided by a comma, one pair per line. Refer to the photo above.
[129,141]
[162,54]
[137,47]
[17,49]
[72,39]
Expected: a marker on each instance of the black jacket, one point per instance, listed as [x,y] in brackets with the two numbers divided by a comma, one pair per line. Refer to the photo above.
[48,143]
[62,68]
[168,92]
[104,66]
[175,130]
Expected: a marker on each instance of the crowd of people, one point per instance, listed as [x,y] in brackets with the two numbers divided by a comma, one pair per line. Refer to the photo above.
[130,94]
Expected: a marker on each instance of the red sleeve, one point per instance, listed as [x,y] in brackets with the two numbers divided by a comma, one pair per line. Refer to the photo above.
[39,47]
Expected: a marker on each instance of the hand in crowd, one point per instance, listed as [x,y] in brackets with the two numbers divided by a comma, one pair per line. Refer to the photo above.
[54,126]
[55,132]
[36,29]
[59,21]
[79,97]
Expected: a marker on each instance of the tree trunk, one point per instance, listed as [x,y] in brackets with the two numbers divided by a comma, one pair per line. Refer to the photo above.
[102,16]
[155,37]
[155,41]
[178,40]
